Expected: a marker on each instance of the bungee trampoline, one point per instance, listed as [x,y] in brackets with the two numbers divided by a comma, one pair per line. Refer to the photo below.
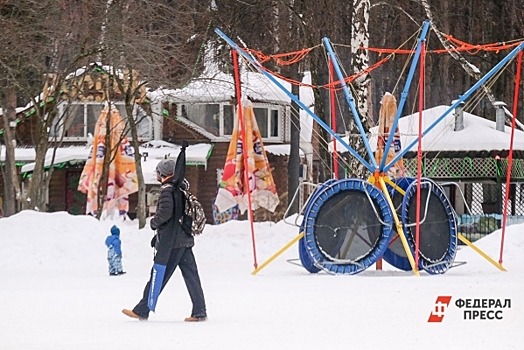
[348,225]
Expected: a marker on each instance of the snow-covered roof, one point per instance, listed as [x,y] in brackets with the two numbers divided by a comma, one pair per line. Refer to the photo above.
[280,150]
[17,109]
[479,134]
[218,86]
[107,68]
[155,151]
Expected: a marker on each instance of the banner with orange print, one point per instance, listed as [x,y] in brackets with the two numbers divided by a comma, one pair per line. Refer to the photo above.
[122,177]
[231,189]
[388,109]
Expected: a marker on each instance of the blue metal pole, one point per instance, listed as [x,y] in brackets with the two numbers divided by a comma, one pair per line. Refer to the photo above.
[404,95]
[462,98]
[259,68]
[350,101]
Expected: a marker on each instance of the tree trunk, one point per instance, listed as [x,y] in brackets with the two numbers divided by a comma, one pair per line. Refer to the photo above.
[359,63]
[294,155]
[141,206]
[10,175]
[35,197]
[360,58]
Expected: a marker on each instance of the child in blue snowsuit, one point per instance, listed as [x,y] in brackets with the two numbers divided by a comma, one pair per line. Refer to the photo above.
[114,253]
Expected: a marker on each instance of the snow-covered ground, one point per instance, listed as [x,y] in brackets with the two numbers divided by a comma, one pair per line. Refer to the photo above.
[55,293]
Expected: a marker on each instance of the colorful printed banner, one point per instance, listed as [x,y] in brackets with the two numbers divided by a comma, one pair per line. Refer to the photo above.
[231,191]
[122,180]
[388,109]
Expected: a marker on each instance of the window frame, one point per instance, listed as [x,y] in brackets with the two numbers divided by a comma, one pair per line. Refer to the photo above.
[61,120]
[280,109]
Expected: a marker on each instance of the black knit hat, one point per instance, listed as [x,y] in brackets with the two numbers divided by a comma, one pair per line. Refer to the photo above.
[165,168]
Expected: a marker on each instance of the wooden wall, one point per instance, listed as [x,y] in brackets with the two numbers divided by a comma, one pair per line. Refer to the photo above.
[204,181]
[57,191]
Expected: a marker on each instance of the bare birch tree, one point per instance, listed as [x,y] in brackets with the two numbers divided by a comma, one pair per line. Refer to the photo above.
[359,64]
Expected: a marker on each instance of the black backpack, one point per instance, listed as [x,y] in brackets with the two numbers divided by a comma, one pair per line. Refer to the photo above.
[194,219]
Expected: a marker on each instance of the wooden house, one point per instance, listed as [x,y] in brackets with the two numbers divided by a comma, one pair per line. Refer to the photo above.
[201,113]
[204,112]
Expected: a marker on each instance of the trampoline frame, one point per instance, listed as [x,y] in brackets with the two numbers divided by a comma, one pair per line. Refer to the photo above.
[310,245]
[431,267]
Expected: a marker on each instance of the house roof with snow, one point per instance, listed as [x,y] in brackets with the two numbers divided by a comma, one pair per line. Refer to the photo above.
[214,86]
[479,135]
[152,152]
[218,86]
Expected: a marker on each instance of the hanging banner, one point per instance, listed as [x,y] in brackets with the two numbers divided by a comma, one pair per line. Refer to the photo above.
[388,109]
[231,191]
[122,178]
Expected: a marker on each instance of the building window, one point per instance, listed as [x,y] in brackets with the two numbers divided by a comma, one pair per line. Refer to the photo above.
[204,115]
[269,120]
[75,121]
[228,119]
[219,119]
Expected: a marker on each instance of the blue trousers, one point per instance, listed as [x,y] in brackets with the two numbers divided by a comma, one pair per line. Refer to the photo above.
[115,261]
[184,258]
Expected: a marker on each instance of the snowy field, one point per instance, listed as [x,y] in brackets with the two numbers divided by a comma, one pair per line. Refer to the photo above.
[55,293]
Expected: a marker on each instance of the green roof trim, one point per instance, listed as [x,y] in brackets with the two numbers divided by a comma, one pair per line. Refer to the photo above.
[464,168]
[61,165]
[210,151]
[100,69]
[18,164]
[29,113]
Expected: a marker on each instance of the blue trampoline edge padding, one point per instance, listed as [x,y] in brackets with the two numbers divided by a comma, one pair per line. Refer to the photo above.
[305,258]
[311,256]
[432,267]
[313,260]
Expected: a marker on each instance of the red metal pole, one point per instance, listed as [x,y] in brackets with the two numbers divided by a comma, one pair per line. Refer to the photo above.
[510,156]
[242,128]
[419,149]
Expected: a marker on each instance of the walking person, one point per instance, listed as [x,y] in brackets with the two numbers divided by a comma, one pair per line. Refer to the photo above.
[173,245]
[114,252]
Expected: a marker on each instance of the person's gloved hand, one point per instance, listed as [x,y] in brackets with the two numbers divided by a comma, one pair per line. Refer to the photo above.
[154,240]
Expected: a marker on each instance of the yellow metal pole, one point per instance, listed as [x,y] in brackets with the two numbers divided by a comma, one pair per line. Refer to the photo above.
[398,225]
[395,186]
[277,254]
[484,255]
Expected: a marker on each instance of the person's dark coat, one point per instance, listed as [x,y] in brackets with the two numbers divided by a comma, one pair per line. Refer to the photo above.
[170,208]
